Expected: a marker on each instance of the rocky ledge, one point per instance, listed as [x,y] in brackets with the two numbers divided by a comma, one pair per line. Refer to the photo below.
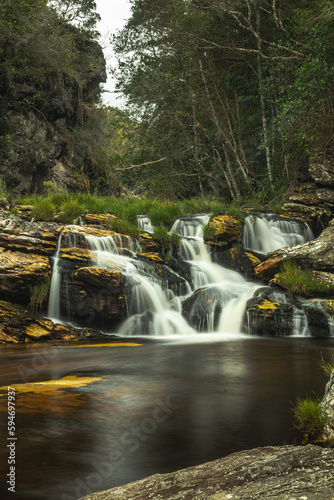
[281,473]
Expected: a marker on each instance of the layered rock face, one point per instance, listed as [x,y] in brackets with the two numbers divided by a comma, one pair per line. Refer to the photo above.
[280,473]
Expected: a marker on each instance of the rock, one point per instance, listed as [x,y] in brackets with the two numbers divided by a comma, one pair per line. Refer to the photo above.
[4,205]
[76,256]
[272,472]
[327,196]
[322,171]
[305,198]
[327,405]
[269,313]
[17,324]
[148,244]
[202,309]
[100,277]
[227,229]
[62,178]
[243,262]
[320,317]
[315,255]
[19,273]
[75,236]
[28,237]
[99,219]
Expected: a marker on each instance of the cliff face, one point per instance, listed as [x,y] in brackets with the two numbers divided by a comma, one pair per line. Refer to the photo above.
[49,86]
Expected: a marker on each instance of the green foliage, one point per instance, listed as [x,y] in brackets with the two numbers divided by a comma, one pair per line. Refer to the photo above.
[166,240]
[298,281]
[165,213]
[69,211]
[39,295]
[3,187]
[123,226]
[327,366]
[208,232]
[309,417]
[49,187]
[44,210]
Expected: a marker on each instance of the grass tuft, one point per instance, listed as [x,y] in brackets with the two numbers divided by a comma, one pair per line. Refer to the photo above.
[309,417]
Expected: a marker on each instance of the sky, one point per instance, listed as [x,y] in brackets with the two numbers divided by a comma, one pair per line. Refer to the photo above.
[114,14]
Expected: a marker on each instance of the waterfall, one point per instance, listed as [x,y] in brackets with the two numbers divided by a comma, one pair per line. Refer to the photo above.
[268,233]
[54,295]
[144,223]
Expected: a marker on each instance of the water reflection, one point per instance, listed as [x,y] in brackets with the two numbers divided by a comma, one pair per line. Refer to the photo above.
[157,408]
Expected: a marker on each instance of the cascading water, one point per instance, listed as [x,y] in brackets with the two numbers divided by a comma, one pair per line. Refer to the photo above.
[268,233]
[154,307]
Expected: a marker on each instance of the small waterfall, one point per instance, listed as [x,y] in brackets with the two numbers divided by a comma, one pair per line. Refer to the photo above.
[268,233]
[144,223]
[54,295]
[300,326]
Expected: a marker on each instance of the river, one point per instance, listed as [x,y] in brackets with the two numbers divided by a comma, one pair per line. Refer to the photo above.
[156,407]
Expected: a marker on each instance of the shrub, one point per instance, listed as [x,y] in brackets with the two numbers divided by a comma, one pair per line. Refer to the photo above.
[3,187]
[309,417]
[44,210]
[208,232]
[164,214]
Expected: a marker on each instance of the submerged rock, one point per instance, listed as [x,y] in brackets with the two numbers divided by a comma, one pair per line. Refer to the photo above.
[272,472]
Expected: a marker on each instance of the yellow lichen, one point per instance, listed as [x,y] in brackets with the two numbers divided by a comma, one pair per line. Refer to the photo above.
[267,304]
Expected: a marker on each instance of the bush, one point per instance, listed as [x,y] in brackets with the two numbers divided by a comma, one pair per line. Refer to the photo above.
[44,210]
[208,232]
[309,417]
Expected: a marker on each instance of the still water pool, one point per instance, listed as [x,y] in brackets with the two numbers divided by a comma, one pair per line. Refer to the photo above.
[120,413]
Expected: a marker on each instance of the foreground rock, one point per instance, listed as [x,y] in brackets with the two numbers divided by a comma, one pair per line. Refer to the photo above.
[327,405]
[17,324]
[280,473]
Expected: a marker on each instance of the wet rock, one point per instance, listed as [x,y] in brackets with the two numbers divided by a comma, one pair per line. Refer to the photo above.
[74,236]
[320,317]
[100,277]
[152,265]
[326,195]
[148,244]
[272,472]
[203,308]
[19,273]
[18,324]
[315,255]
[269,313]
[242,262]
[227,230]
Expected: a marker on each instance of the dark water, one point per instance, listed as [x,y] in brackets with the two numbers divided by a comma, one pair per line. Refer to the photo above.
[158,408]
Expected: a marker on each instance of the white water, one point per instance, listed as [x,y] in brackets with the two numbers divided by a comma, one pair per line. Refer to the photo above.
[266,234]
[144,223]
[153,309]
[54,296]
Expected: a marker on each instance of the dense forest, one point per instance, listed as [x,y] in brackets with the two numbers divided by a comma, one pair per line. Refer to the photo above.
[224,98]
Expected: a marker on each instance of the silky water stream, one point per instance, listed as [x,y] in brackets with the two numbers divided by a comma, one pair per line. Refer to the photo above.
[179,398]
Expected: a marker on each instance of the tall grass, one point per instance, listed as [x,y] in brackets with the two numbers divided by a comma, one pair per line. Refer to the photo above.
[309,417]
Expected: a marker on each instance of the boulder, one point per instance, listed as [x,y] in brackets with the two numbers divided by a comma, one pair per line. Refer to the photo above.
[269,313]
[272,472]
[203,308]
[326,195]
[62,178]
[19,273]
[242,262]
[320,317]
[317,254]
[226,230]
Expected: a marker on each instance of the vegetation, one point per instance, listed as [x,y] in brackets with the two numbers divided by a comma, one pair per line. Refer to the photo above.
[39,295]
[309,417]
[327,366]
[300,282]
[44,210]
[70,210]
[123,226]
[3,187]
[166,240]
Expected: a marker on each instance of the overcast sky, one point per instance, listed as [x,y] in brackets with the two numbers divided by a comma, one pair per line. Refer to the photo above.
[114,14]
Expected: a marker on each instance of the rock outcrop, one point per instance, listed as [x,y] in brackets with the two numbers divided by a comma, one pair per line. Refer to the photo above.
[327,405]
[280,473]
[18,324]
[225,230]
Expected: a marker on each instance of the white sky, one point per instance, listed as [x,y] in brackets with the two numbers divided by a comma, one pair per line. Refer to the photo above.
[114,14]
